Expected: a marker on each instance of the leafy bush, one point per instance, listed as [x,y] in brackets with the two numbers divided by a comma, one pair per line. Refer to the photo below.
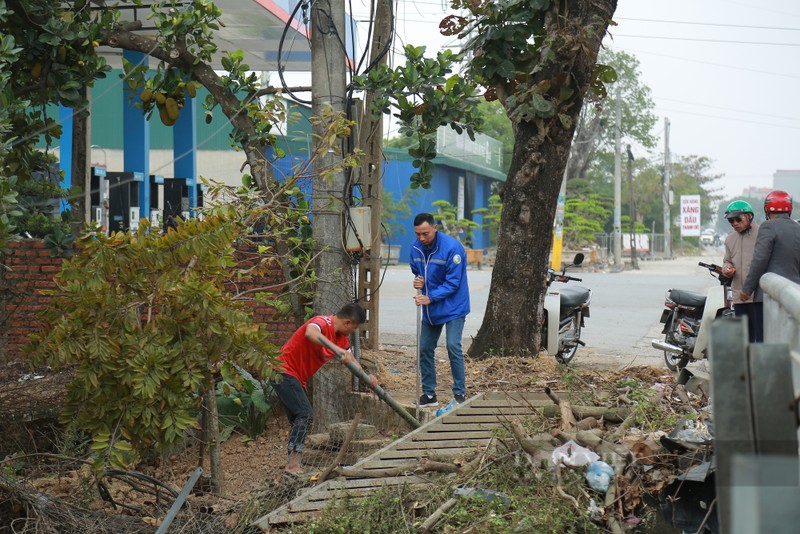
[242,401]
[145,318]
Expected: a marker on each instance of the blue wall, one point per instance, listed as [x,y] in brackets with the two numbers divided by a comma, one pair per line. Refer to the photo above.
[444,186]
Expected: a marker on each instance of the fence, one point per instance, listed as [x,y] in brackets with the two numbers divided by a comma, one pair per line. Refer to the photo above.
[755,391]
[655,252]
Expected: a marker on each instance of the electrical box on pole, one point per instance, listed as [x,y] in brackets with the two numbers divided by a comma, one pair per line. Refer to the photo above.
[359,229]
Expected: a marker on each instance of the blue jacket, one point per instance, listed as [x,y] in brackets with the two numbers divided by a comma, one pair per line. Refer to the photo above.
[444,268]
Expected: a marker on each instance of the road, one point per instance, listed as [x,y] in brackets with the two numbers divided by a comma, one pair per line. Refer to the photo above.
[625,307]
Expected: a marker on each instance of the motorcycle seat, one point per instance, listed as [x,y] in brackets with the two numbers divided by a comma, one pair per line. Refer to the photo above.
[573,295]
[687,298]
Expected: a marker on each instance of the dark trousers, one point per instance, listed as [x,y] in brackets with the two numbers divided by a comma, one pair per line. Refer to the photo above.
[754,311]
[298,410]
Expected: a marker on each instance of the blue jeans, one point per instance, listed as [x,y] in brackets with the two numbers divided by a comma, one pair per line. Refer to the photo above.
[428,339]
[298,410]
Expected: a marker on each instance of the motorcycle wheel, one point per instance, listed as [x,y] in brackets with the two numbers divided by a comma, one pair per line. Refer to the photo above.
[566,355]
[675,362]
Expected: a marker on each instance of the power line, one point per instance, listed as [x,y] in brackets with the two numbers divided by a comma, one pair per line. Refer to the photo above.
[744,121]
[728,41]
[714,24]
[734,67]
[731,109]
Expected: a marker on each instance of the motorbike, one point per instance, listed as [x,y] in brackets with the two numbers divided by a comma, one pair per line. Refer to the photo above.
[565,310]
[687,318]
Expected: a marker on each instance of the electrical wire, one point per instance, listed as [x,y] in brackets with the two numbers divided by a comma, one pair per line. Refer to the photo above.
[697,39]
[282,40]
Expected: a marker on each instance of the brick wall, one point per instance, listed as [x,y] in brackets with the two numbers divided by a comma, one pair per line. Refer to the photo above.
[28,268]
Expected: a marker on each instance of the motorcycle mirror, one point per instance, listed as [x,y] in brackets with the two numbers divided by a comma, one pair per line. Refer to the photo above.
[578,259]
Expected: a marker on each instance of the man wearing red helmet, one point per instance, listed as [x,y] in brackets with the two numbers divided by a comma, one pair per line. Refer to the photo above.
[777,247]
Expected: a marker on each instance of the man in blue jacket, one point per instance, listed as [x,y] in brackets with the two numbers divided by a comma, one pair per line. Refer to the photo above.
[438,262]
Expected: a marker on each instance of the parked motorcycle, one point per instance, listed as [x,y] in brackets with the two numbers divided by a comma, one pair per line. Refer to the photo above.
[687,319]
[565,308]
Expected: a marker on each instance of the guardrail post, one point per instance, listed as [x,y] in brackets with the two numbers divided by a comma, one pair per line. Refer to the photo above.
[733,418]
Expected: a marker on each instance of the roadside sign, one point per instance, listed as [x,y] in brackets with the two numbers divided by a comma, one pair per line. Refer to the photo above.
[690,215]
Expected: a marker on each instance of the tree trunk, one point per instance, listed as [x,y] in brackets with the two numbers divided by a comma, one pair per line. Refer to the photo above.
[512,323]
[81,181]
[211,433]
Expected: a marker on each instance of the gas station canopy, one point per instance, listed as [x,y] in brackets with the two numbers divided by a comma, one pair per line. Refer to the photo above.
[254,26]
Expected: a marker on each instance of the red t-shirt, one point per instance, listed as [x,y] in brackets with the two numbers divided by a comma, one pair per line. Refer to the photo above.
[301,358]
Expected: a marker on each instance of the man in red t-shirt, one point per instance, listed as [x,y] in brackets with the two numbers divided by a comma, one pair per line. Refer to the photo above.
[301,357]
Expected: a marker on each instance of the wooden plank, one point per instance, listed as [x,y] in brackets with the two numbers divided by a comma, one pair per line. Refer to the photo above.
[424,453]
[435,436]
[526,395]
[433,444]
[320,499]
[375,483]
[522,411]
[465,418]
[508,403]
[441,427]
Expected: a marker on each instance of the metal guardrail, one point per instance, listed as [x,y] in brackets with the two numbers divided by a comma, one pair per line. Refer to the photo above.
[754,392]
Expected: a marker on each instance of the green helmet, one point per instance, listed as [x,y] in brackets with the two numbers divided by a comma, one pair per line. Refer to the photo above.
[736,208]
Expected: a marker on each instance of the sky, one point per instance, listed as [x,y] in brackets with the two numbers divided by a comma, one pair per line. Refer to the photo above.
[725,73]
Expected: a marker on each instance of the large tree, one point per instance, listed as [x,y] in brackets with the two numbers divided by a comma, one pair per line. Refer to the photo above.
[539,58]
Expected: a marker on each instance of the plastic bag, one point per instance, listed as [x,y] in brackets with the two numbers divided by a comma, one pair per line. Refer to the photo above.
[447,408]
[573,455]
[598,475]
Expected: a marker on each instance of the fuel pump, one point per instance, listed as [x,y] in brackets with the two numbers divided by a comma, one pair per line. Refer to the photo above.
[156,199]
[123,200]
[99,196]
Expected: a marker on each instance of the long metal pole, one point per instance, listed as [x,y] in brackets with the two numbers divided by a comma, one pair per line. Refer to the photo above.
[419,354]
[379,391]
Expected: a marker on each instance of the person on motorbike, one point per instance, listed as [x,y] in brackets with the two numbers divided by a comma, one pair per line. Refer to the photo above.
[777,247]
[739,247]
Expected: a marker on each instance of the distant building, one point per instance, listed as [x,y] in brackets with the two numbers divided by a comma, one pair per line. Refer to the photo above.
[789,181]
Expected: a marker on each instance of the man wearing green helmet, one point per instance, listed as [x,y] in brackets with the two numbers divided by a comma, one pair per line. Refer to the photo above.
[739,247]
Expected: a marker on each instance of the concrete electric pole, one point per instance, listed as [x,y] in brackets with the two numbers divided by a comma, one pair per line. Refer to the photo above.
[328,68]
[667,233]
[632,210]
[617,236]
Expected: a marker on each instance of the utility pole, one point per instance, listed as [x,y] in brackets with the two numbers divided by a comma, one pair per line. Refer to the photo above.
[617,236]
[632,210]
[329,197]
[370,140]
[667,233]
[328,68]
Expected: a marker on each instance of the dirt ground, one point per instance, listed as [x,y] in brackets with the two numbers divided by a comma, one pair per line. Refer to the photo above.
[255,467]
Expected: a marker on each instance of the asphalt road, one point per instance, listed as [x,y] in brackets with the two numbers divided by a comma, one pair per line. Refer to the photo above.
[625,306]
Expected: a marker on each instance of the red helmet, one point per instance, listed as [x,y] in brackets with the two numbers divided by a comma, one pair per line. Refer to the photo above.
[778,202]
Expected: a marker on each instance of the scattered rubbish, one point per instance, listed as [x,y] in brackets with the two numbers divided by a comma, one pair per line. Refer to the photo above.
[595,513]
[447,408]
[689,434]
[30,376]
[394,371]
[573,455]
[598,475]
[483,494]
